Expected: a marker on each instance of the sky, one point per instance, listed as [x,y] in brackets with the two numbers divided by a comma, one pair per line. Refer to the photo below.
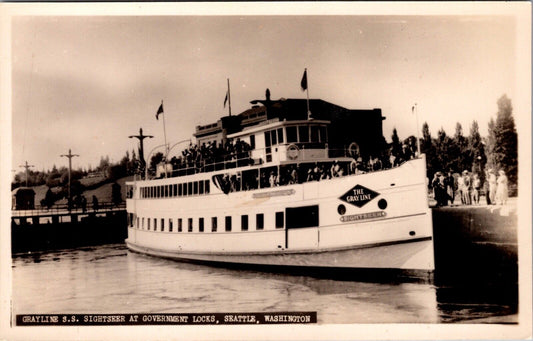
[86,83]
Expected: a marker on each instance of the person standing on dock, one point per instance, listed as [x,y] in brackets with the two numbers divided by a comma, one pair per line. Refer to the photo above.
[476,186]
[84,203]
[465,191]
[449,182]
[492,187]
[95,203]
[501,190]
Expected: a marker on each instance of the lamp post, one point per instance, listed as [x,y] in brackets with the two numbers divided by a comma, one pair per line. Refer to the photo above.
[70,156]
[415,110]
[27,167]
[141,137]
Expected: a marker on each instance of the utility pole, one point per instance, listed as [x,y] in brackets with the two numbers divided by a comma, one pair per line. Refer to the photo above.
[141,137]
[70,156]
[27,167]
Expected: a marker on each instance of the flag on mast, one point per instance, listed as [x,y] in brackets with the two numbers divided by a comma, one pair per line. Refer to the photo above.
[159,111]
[303,83]
[226,99]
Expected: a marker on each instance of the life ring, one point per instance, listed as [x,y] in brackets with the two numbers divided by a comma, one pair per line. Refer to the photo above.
[292,152]
[353,150]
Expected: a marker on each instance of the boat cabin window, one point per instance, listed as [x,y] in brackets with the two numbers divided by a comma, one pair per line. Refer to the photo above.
[162,224]
[201,187]
[292,134]
[155,224]
[279,220]
[142,223]
[213,224]
[268,140]
[252,141]
[148,220]
[228,223]
[190,225]
[314,134]
[259,221]
[180,225]
[201,224]
[169,224]
[303,133]
[244,222]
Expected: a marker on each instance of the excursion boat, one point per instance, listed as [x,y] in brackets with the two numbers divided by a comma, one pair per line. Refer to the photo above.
[277,189]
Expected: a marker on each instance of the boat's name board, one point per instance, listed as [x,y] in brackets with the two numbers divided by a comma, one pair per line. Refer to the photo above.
[359,196]
[363,216]
[274,194]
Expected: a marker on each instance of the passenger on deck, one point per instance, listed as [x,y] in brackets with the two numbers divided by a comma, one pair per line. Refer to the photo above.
[324,174]
[273,179]
[334,170]
[310,175]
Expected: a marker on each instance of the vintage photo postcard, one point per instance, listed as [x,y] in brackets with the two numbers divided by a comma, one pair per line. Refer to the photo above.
[265,171]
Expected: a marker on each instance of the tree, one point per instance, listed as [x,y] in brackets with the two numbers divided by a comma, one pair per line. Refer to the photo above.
[463,157]
[116,195]
[156,159]
[125,163]
[503,152]
[427,147]
[443,161]
[477,150]
[396,146]
[104,163]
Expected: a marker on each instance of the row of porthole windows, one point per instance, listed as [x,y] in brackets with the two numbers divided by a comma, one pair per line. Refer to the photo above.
[167,224]
[176,190]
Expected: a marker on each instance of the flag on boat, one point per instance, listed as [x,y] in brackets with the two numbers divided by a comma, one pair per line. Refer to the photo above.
[303,83]
[159,111]
[225,99]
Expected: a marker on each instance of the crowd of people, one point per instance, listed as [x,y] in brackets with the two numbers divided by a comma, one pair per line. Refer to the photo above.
[216,156]
[298,173]
[212,155]
[469,187]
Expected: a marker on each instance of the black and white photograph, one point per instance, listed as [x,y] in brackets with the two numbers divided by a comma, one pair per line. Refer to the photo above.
[217,171]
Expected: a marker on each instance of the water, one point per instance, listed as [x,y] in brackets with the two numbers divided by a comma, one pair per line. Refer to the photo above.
[111,279]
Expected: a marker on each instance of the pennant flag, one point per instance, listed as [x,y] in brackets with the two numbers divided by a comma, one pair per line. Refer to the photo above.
[303,83]
[413,109]
[159,111]
[225,99]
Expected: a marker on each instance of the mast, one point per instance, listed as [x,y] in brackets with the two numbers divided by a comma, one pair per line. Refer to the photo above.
[229,98]
[304,85]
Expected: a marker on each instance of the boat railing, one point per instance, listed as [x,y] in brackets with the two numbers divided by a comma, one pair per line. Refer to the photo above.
[295,152]
[307,151]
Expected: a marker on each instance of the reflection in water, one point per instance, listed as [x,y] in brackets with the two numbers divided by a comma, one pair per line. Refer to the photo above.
[110,279]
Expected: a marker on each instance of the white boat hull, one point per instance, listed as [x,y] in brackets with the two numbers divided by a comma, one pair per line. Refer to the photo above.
[397,236]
